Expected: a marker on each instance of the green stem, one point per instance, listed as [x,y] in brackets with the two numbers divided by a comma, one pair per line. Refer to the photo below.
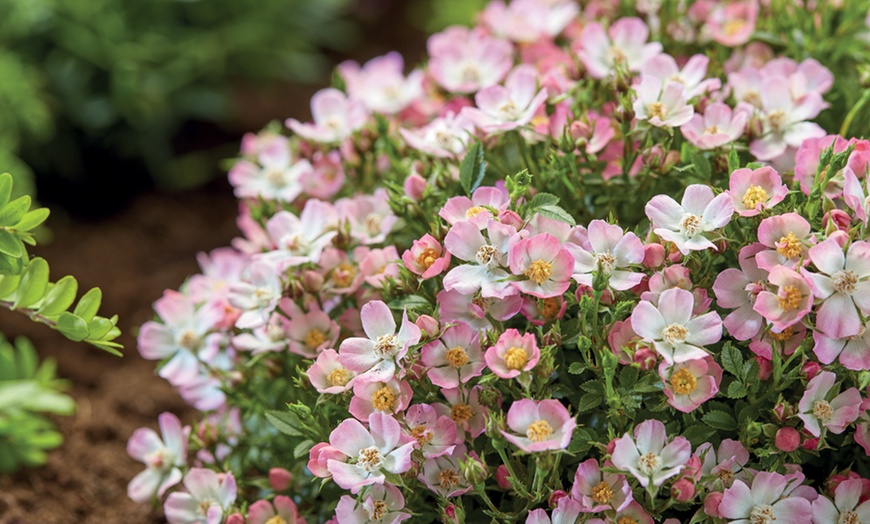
[854,112]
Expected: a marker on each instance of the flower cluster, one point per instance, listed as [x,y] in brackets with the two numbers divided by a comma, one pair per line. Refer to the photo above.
[556,275]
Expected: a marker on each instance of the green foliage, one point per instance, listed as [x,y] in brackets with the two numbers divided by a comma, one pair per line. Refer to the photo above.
[28,390]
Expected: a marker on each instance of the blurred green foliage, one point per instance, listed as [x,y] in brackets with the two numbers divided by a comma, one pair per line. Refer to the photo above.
[434,15]
[124,75]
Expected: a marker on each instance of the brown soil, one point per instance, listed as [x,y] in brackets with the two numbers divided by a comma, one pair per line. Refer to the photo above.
[132,258]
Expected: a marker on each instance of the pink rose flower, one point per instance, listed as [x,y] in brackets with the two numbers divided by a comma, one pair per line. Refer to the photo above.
[544,262]
[377,357]
[817,409]
[426,257]
[689,384]
[455,358]
[765,501]
[752,191]
[649,456]
[513,354]
[625,42]
[718,126]
[336,117]
[539,426]
[684,224]
[842,284]
[164,455]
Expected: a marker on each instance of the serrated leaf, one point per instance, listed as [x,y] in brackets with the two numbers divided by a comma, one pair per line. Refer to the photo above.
[589,401]
[733,161]
[628,377]
[593,386]
[72,326]
[410,302]
[303,448]
[14,211]
[698,434]
[732,359]
[284,422]
[11,245]
[33,283]
[89,304]
[60,297]
[32,219]
[472,168]
[581,441]
[542,199]
[736,390]
[576,368]
[556,213]
[720,420]
[5,189]
[702,165]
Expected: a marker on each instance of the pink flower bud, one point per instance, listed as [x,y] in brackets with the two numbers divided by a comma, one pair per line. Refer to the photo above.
[501,477]
[428,325]
[415,186]
[235,518]
[811,369]
[556,497]
[312,281]
[683,490]
[279,478]
[783,411]
[580,130]
[834,481]
[711,504]
[510,218]
[653,255]
[840,237]
[810,444]
[787,439]
[836,219]
[692,470]
[646,358]
[765,367]
[611,446]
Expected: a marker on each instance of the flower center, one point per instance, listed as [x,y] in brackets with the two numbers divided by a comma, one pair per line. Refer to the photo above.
[315,338]
[157,459]
[421,434]
[845,282]
[338,377]
[776,119]
[782,336]
[616,55]
[683,381]
[602,493]
[386,345]
[712,130]
[849,517]
[384,399]
[539,431]
[262,296]
[482,303]
[487,255]
[276,520]
[650,463]
[508,110]
[275,332]
[674,333]
[539,271]
[822,410]
[516,358]
[474,211]
[733,26]
[761,515]
[373,224]
[626,520]
[275,177]
[657,109]
[343,274]
[427,258]
[446,140]
[789,298]
[204,506]
[188,340]
[550,307]
[727,477]
[448,478]
[606,262]
[789,246]
[370,459]
[379,510]
[456,357]
[752,97]
[461,413]
[754,195]
[470,74]
[690,224]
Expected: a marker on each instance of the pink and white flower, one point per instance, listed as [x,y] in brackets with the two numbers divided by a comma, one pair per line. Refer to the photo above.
[738,289]
[539,426]
[765,502]
[612,252]
[336,117]
[381,85]
[675,333]
[689,384]
[383,503]
[513,354]
[328,376]
[732,24]
[847,505]
[544,262]
[529,20]
[369,216]
[391,397]
[853,352]
[299,240]
[209,495]
[754,190]
[377,357]
[692,76]
[843,285]
[455,358]
[504,108]
[465,410]
[662,104]
[718,126]
[444,137]
[476,310]
[784,122]
[649,456]
[684,224]
[257,295]
[371,452]
[310,333]
[598,491]
[624,42]
[281,509]
[791,302]
[787,238]
[443,474]
[567,511]
[426,257]
[164,455]
[466,60]
[485,203]
[435,434]
[488,258]
[817,409]
[275,175]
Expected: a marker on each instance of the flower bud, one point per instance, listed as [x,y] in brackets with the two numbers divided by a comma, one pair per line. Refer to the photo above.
[452,514]
[653,255]
[501,477]
[836,220]
[428,325]
[692,469]
[415,186]
[312,281]
[783,411]
[683,490]
[765,367]
[753,429]
[279,479]
[235,518]
[488,396]
[787,439]
[646,358]
[711,504]
[611,446]
[811,369]
[810,443]
[556,497]
[510,218]
[474,470]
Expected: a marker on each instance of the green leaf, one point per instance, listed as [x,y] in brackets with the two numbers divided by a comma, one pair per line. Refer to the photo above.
[556,213]
[60,297]
[582,440]
[99,327]
[698,434]
[720,420]
[472,169]
[542,199]
[33,283]
[576,368]
[733,161]
[72,327]
[628,377]
[14,211]
[32,219]
[702,165]
[10,265]
[11,245]
[302,449]
[410,302]
[732,359]
[736,390]
[5,189]
[89,304]
[284,422]
[589,401]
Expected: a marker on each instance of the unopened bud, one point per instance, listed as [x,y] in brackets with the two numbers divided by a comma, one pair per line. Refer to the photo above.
[279,479]
[502,476]
[428,325]
[787,439]
[711,504]
[415,187]
[555,497]
[474,470]
[683,490]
